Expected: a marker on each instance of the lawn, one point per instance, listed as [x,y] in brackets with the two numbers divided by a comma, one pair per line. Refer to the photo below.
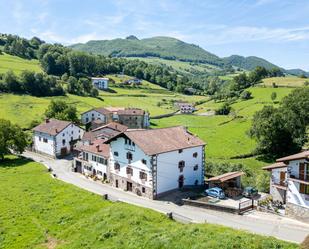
[37,211]
[289,81]
[17,64]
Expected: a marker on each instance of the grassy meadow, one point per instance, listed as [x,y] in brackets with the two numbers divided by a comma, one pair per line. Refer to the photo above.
[17,64]
[53,214]
[289,81]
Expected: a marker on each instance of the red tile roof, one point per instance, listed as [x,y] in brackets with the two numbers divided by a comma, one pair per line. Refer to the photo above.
[275,166]
[52,126]
[96,147]
[156,141]
[301,155]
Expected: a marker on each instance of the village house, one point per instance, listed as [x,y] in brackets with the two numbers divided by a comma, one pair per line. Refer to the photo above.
[100,83]
[92,159]
[133,118]
[56,137]
[154,162]
[289,184]
[134,81]
[184,107]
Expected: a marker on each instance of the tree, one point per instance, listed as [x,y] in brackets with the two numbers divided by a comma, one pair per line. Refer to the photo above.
[273,96]
[262,182]
[12,137]
[246,95]
[61,110]
[225,109]
[12,82]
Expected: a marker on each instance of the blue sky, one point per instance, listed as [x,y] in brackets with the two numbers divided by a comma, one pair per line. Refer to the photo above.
[277,30]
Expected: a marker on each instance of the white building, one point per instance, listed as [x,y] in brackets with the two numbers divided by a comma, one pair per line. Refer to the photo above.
[56,137]
[185,108]
[92,159]
[153,162]
[290,182]
[100,83]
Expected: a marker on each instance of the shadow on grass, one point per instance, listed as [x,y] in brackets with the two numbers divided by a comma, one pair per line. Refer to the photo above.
[14,161]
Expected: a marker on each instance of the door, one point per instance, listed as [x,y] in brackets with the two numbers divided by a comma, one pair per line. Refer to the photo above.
[302,171]
[129,186]
[282,177]
[78,167]
[63,151]
[180,181]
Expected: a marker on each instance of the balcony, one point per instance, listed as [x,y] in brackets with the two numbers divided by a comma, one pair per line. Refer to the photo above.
[129,147]
[280,184]
[297,179]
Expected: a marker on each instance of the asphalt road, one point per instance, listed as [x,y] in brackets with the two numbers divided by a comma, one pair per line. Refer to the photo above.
[255,222]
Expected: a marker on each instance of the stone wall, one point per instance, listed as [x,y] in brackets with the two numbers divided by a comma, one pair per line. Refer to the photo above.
[297,212]
[136,187]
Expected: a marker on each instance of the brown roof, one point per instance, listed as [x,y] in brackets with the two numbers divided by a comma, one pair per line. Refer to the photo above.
[275,166]
[52,126]
[102,110]
[96,147]
[113,125]
[118,110]
[301,155]
[156,141]
[225,177]
[131,111]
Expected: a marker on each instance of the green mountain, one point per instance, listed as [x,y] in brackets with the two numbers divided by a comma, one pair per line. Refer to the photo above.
[161,47]
[248,63]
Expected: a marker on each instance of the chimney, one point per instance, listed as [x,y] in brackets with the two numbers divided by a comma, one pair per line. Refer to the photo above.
[47,120]
[56,129]
[98,148]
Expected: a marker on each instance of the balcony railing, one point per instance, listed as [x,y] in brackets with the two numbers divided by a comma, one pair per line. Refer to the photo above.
[297,179]
[129,147]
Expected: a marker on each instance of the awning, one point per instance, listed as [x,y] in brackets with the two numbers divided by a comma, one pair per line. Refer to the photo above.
[225,177]
[275,166]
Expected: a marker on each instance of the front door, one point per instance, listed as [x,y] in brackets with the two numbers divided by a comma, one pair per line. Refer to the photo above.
[63,151]
[180,181]
[129,186]
[302,171]
[282,177]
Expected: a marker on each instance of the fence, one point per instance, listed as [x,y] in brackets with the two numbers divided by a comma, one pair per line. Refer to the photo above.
[245,206]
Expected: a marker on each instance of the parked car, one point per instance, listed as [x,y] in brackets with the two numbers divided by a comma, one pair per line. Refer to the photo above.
[250,192]
[215,192]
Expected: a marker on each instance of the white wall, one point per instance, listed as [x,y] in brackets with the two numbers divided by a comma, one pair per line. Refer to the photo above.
[41,146]
[168,172]
[136,164]
[100,83]
[293,194]
[275,175]
[94,164]
[92,115]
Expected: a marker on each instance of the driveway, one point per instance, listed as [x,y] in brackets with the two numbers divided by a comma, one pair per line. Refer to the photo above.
[255,222]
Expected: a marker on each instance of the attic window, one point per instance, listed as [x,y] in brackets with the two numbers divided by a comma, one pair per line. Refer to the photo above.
[116,153]
[195,154]
[180,151]
[144,161]
[129,156]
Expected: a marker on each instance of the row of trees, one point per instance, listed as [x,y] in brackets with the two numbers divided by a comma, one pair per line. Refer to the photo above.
[15,45]
[283,130]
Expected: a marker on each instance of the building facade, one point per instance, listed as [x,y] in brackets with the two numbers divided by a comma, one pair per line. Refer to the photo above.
[133,118]
[185,108]
[56,137]
[100,83]
[152,163]
[294,176]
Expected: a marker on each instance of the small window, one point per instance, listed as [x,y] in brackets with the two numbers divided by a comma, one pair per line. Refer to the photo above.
[133,143]
[117,184]
[195,168]
[129,171]
[196,182]
[116,153]
[129,156]
[143,190]
[40,138]
[63,134]
[195,154]
[125,141]
[71,138]
[72,132]
[180,151]
[63,141]
[45,140]
[117,166]
[143,175]
[144,161]
[181,165]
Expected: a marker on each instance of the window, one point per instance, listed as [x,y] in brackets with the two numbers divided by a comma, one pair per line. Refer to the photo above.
[125,141]
[304,189]
[143,190]
[133,143]
[129,171]
[94,158]
[129,156]
[144,161]
[40,138]
[63,141]
[195,168]
[45,140]
[181,165]
[143,175]
[116,153]
[63,134]
[72,132]
[100,160]
[117,185]
[180,151]
[196,182]
[195,154]
[71,138]
[117,166]
[85,156]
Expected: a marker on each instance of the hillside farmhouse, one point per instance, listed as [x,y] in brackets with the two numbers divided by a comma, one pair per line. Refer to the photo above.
[133,118]
[134,81]
[100,83]
[289,184]
[149,163]
[56,137]
[184,107]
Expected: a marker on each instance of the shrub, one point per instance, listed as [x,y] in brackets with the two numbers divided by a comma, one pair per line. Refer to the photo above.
[225,109]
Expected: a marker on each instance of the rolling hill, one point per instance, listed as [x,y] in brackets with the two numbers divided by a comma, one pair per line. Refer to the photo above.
[169,48]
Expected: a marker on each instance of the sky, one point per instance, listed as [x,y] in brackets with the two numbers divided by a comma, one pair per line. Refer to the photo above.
[276,30]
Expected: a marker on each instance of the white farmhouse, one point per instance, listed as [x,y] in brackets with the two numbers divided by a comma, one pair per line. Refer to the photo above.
[290,184]
[153,162]
[56,137]
[185,108]
[100,83]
